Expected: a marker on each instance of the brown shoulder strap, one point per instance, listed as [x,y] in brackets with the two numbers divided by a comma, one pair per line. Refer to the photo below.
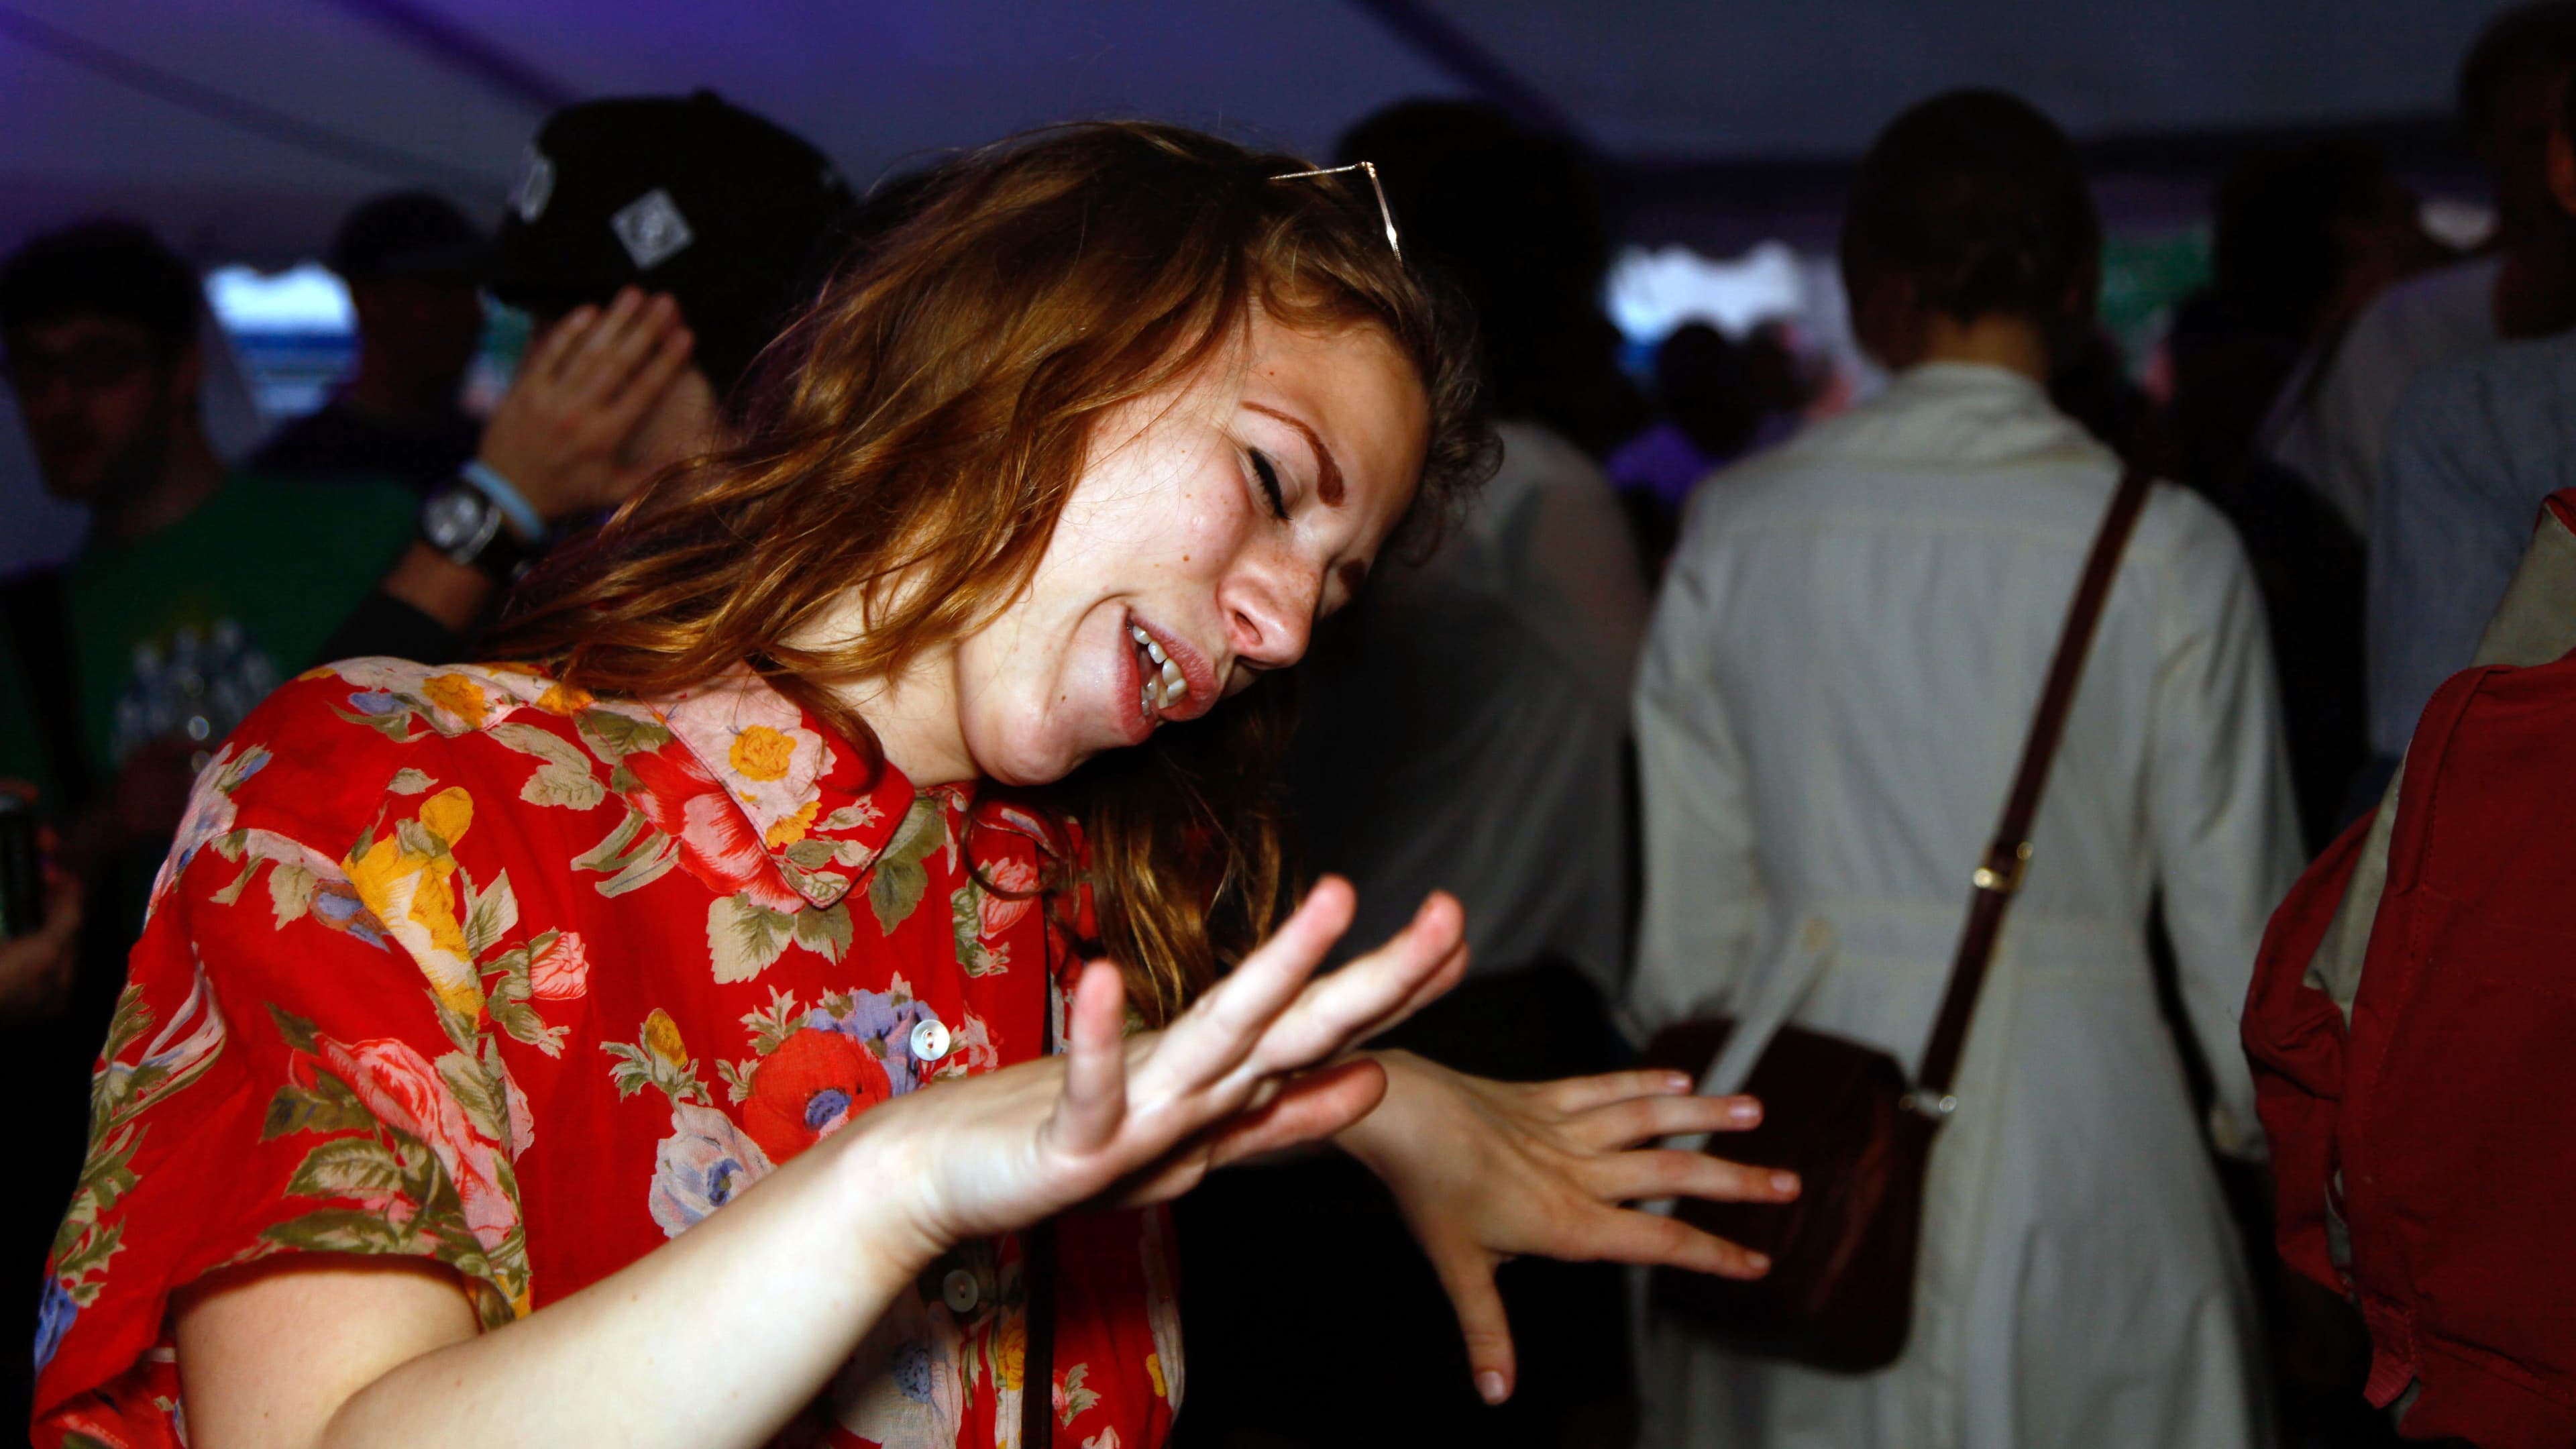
[1998,879]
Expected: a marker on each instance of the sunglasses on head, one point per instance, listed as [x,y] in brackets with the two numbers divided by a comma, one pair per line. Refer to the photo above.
[1366,168]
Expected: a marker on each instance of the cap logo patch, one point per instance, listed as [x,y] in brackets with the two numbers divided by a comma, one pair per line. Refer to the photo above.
[651,229]
[536,187]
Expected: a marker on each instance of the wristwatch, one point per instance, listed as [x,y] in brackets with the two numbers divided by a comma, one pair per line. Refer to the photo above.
[464,523]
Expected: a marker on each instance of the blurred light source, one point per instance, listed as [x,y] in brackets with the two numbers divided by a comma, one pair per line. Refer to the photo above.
[304,298]
[1652,292]
[294,330]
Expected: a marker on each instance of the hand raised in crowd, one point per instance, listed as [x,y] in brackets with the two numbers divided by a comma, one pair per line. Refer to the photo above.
[588,386]
[1486,1171]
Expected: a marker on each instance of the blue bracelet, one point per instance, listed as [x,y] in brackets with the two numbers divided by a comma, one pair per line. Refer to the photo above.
[514,504]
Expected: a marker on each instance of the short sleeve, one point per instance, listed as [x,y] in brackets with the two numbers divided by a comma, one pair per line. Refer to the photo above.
[289,1068]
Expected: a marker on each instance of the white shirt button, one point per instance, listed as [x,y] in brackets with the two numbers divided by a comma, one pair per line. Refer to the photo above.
[929,1040]
[959,1292]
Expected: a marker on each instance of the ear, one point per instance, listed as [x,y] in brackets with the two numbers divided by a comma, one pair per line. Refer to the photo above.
[2562,169]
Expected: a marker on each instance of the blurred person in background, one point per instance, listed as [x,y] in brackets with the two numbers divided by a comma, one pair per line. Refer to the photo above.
[2332,429]
[2302,239]
[1838,678]
[413,264]
[2475,447]
[1704,388]
[196,590]
[658,244]
[1463,728]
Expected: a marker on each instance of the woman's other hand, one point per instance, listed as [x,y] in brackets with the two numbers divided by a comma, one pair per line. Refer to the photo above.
[1249,1068]
[560,434]
[1486,1171]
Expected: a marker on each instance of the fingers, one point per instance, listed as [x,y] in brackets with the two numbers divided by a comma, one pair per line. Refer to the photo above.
[639,374]
[1582,1094]
[1641,1119]
[1214,1036]
[544,361]
[1467,1273]
[631,333]
[1651,1240]
[1670,1172]
[1094,1103]
[1308,1109]
[1369,994]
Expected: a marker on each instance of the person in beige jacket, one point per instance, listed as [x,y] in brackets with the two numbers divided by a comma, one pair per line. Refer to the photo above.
[1835,686]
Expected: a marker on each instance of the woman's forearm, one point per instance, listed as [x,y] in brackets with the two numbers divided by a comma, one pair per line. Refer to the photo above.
[716,1339]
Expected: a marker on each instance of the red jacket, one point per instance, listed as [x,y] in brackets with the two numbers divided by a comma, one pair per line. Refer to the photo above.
[2425,1139]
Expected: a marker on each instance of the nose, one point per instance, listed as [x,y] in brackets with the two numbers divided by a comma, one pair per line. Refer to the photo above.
[1269,607]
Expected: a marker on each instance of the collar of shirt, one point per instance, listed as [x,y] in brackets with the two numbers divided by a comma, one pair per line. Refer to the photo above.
[802,808]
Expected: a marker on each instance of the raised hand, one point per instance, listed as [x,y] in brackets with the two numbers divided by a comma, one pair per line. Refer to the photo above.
[560,433]
[1485,1171]
[1143,1118]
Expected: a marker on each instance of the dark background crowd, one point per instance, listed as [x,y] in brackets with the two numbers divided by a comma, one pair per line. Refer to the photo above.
[2359,363]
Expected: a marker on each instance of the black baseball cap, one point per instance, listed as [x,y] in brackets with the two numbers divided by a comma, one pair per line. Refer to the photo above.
[408,234]
[732,215]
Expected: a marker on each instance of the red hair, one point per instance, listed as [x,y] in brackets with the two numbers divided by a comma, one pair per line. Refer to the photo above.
[925,421]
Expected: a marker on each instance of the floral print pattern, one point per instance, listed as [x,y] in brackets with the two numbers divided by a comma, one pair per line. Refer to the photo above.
[459,963]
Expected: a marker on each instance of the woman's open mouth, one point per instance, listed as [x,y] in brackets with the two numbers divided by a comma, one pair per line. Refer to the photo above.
[1163,683]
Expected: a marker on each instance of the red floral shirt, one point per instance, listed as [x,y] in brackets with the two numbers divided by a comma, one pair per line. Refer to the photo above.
[460,963]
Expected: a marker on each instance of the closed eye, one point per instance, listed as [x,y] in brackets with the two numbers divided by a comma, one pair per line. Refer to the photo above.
[1268,473]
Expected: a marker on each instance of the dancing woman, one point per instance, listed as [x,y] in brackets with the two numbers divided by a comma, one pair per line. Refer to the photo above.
[682,1035]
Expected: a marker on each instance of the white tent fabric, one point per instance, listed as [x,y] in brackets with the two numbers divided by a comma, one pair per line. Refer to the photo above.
[244,129]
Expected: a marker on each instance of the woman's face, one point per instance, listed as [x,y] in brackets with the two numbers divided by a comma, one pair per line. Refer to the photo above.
[1214,523]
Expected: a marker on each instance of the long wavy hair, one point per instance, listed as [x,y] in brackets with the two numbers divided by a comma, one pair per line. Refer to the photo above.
[915,436]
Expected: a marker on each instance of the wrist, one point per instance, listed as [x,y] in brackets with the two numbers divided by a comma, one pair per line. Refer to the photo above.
[523,516]
[877,1176]
[1375,1137]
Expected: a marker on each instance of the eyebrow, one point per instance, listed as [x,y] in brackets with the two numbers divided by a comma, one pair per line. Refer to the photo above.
[1328,484]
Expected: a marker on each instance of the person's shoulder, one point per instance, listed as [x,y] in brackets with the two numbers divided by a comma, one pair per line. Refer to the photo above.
[2506,400]
[409,704]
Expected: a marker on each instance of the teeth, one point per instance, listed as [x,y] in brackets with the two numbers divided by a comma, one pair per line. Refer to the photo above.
[1141,636]
[1174,686]
[1159,656]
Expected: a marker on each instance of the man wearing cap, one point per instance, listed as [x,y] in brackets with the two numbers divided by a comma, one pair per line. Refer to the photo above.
[658,243]
[412,263]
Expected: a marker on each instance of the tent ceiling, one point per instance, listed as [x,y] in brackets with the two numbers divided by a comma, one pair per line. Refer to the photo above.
[96,109]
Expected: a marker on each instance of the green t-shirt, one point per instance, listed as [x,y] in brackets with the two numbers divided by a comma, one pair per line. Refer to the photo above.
[186,629]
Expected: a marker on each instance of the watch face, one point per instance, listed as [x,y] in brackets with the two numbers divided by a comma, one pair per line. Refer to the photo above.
[451,519]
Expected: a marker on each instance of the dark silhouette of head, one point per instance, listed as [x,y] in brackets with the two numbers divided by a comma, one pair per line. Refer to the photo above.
[2301,239]
[1514,220]
[2513,85]
[100,325]
[1968,205]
